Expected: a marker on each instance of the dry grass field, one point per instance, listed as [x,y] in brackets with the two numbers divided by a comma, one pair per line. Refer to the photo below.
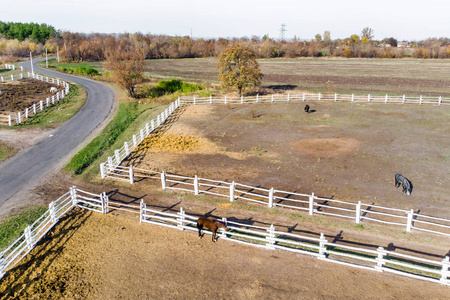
[366,76]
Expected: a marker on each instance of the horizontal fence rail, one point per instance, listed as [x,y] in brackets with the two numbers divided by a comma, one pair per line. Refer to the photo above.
[18,117]
[273,198]
[316,97]
[267,237]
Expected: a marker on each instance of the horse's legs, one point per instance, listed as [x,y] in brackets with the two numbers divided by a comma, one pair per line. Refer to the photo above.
[199,230]
[214,235]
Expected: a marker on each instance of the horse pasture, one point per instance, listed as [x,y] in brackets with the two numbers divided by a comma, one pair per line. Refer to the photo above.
[343,151]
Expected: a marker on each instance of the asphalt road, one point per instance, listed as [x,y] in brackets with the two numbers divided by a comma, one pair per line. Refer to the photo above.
[30,165]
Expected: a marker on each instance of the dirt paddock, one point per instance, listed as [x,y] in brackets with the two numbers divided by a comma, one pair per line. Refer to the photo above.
[19,94]
[94,256]
[342,150]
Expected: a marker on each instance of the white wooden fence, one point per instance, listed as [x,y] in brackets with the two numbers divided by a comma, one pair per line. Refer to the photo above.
[274,198]
[316,97]
[108,168]
[380,260]
[16,118]
[36,231]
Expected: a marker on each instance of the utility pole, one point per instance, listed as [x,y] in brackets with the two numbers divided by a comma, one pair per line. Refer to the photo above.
[46,58]
[282,30]
[31,59]
[57,52]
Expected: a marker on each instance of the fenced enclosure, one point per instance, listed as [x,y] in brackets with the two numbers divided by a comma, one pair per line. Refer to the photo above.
[273,198]
[36,231]
[18,117]
[316,97]
[268,237]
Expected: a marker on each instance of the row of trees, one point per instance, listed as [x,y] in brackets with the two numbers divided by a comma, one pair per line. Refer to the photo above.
[37,33]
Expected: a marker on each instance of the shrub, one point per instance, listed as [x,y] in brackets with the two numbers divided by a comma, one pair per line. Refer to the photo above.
[166,87]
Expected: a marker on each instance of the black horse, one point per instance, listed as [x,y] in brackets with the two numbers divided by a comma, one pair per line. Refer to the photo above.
[306,108]
[406,184]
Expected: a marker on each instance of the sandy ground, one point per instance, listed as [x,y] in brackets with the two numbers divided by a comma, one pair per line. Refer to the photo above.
[94,256]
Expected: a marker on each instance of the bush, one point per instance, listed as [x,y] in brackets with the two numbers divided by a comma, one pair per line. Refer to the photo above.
[81,71]
[166,87]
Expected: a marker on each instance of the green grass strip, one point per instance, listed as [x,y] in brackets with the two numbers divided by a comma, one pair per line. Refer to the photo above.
[126,114]
[14,225]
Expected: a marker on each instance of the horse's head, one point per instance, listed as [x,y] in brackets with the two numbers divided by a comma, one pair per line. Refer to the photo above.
[221,225]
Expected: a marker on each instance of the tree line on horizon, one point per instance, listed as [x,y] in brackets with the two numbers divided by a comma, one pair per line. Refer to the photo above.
[76,47]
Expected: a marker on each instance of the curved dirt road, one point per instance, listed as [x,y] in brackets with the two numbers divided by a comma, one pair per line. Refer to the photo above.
[27,167]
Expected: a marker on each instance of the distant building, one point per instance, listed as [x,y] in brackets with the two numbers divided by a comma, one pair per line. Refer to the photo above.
[404,44]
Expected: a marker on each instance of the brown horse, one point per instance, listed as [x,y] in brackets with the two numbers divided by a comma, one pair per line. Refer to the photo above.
[212,224]
[306,109]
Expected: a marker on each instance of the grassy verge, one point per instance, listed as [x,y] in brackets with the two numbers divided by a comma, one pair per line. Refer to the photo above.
[14,225]
[6,151]
[57,113]
[84,69]
[130,117]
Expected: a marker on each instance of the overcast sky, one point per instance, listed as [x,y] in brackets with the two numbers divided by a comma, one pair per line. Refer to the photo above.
[409,20]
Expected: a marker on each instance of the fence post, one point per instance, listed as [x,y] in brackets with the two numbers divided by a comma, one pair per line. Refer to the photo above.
[420,100]
[288,98]
[152,124]
[117,157]
[194,100]
[29,237]
[147,129]
[51,210]
[102,170]
[2,265]
[196,185]
[21,75]
[368,98]
[2,79]
[142,208]
[322,247]
[106,201]
[12,77]
[271,198]
[210,99]
[232,191]
[223,233]
[19,117]
[41,105]
[158,120]
[26,112]
[444,271]
[257,98]
[304,97]
[127,148]
[271,99]
[34,108]
[242,99]
[319,96]
[131,174]
[380,259]
[311,203]
[134,140]
[270,238]
[141,132]
[110,162]
[9,120]
[73,195]
[181,219]
[353,97]
[385,101]
[225,99]
[409,222]
[47,100]
[440,100]
[358,213]
[163,179]
[335,96]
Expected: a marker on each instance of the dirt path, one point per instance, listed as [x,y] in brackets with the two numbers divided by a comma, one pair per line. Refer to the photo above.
[94,256]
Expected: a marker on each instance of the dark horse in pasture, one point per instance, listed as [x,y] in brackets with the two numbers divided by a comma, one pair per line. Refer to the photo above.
[212,224]
[399,179]
[306,108]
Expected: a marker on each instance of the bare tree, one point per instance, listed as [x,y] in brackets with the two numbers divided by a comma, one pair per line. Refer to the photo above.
[127,67]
